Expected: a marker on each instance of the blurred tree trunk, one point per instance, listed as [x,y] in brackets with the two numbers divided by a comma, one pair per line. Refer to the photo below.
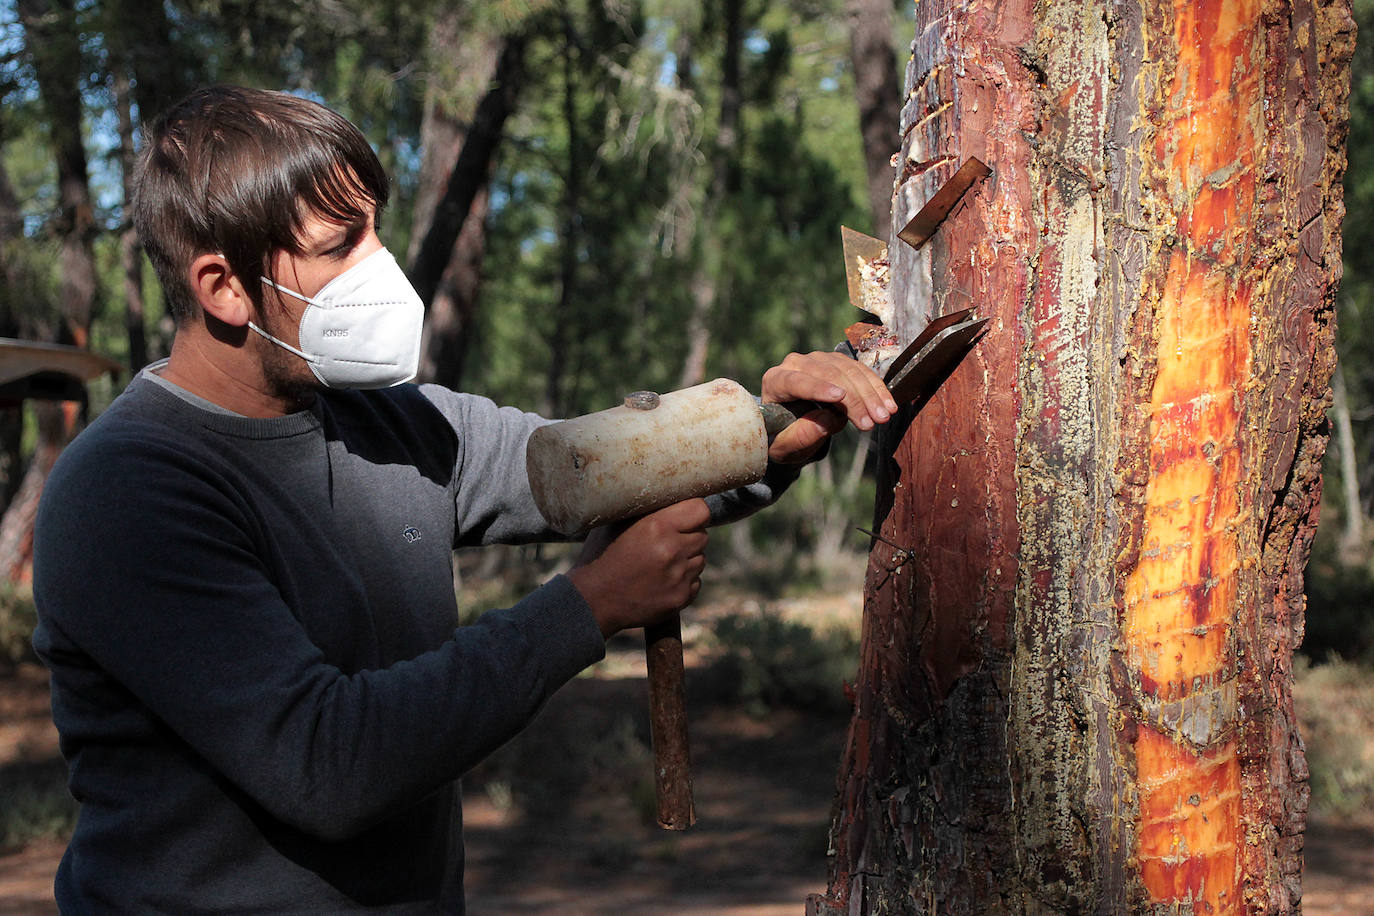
[1352,529]
[52,42]
[709,277]
[130,251]
[878,93]
[570,236]
[58,423]
[15,286]
[471,170]
[148,70]
[1075,687]
[461,63]
[11,235]
[162,69]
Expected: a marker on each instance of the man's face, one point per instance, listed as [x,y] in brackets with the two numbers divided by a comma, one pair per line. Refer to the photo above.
[327,250]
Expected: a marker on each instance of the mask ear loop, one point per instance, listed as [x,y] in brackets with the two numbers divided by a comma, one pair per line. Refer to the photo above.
[279,342]
[284,345]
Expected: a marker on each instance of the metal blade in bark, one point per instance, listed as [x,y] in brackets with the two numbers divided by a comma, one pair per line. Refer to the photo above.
[867,270]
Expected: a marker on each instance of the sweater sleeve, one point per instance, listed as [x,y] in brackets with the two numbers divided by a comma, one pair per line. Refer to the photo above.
[492,499]
[147,574]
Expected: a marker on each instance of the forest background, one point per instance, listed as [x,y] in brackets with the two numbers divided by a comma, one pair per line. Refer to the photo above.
[649,194]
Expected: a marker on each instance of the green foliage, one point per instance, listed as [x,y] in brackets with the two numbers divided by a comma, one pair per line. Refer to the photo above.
[35,803]
[1335,704]
[596,232]
[17,620]
[1340,594]
[611,286]
[599,752]
[768,661]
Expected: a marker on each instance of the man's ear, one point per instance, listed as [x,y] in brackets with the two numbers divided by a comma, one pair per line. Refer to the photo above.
[219,291]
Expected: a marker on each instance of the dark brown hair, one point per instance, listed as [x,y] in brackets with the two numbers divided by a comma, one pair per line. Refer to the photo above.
[237,171]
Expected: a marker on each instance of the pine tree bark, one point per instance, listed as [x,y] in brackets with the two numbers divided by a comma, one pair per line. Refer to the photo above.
[1074,693]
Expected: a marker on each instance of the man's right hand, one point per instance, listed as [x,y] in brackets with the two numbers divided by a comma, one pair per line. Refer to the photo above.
[640,573]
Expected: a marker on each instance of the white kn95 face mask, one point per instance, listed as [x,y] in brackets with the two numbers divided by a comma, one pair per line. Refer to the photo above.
[362,329]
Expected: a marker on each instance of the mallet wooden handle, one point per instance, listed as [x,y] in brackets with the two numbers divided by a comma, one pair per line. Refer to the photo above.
[668,724]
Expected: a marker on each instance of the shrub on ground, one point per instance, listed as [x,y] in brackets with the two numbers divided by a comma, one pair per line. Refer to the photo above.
[1335,707]
[17,619]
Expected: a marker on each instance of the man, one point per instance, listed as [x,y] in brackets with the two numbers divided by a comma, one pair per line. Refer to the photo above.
[242,568]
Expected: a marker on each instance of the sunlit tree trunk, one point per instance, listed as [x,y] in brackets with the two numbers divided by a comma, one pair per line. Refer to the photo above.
[1074,694]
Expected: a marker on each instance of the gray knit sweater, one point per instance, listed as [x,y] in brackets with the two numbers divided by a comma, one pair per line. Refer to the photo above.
[260,690]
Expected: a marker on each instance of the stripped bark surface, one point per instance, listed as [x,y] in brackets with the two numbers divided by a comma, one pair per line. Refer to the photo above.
[1075,684]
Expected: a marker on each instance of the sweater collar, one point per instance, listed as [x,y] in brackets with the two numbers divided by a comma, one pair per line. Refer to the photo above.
[171,397]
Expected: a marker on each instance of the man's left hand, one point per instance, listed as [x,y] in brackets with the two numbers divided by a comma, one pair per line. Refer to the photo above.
[825,377]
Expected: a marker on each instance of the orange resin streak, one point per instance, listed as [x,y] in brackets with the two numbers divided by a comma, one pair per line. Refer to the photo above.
[1180,599]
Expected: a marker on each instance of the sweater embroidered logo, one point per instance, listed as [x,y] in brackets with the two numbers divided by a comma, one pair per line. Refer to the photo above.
[411,534]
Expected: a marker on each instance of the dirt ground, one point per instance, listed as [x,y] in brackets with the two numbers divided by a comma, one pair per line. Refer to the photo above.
[581,841]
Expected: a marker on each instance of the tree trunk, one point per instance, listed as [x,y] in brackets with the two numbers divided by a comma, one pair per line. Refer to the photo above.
[147,72]
[16,285]
[58,423]
[708,278]
[1352,528]
[1074,692]
[879,96]
[130,249]
[162,71]
[471,169]
[458,55]
[52,40]
[570,238]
